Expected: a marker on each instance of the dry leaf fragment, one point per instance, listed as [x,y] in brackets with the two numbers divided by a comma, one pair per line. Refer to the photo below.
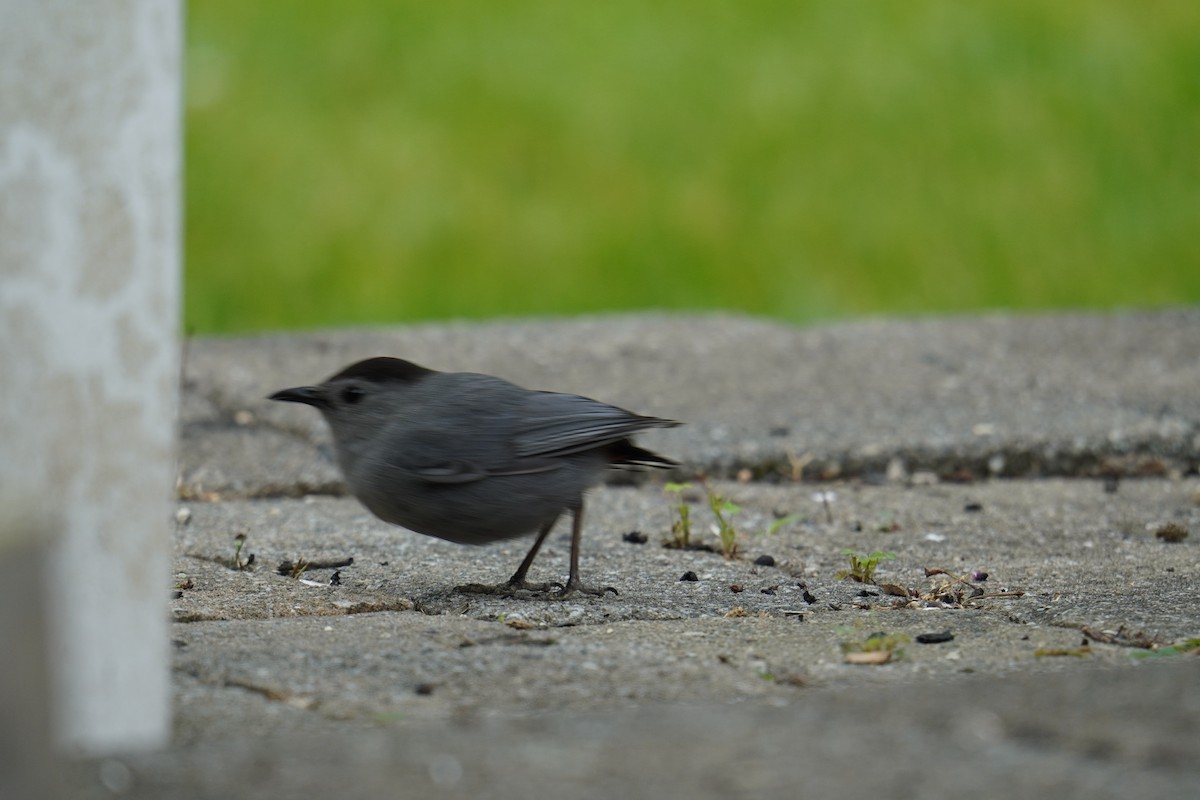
[519,624]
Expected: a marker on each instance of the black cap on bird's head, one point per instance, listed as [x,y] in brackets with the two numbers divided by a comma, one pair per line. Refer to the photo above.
[383,369]
[378,370]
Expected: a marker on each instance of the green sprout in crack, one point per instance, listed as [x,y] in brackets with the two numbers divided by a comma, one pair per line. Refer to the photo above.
[681,525]
[724,509]
[878,648]
[240,563]
[862,568]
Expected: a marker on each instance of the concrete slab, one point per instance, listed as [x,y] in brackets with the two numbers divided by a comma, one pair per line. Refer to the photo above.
[1084,733]
[1058,680]
[996,395]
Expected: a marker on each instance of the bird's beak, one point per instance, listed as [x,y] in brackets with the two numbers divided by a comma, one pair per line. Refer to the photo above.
[309,395]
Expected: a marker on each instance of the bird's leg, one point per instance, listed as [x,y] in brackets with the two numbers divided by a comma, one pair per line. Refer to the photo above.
[517,581]
[573,583]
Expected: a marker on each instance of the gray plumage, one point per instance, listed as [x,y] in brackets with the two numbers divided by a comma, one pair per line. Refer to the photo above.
[472,458]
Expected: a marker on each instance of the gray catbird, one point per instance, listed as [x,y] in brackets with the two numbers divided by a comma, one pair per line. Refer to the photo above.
[472,458]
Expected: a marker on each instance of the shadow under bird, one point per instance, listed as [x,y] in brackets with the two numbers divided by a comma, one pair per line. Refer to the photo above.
[472,458]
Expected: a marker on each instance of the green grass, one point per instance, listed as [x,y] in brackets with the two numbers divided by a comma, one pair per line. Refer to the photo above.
[365,162]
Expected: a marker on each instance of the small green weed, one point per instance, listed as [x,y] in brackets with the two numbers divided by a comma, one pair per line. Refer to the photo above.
[862,568]
[681,525]
[723,509]
[878,648]
[239,544]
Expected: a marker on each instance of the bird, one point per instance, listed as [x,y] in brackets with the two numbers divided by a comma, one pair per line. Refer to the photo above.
[473,458]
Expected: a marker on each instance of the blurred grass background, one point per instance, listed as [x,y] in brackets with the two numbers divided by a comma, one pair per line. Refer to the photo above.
[369,161]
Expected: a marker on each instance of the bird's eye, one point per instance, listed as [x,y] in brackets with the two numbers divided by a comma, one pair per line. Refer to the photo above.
[352,394]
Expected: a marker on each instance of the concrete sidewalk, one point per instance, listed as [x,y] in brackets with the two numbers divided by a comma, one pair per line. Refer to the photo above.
[392,682]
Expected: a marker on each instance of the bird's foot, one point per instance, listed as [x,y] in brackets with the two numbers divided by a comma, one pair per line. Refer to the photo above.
[523,588]
[575,586]
[523,585]
[510,588]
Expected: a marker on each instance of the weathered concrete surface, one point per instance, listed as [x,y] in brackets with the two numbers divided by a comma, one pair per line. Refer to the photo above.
[1012,396]
[1085,733]
[395,679]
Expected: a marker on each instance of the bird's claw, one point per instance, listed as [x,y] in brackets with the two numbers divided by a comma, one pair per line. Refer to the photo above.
[574,586]
[506,589]
[518,588]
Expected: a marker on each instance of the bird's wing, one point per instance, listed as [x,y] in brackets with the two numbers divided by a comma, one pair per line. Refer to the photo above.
[425,455]
[561,424]
[469,471]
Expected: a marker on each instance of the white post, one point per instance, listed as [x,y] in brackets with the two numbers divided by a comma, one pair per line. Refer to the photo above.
[90,160]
